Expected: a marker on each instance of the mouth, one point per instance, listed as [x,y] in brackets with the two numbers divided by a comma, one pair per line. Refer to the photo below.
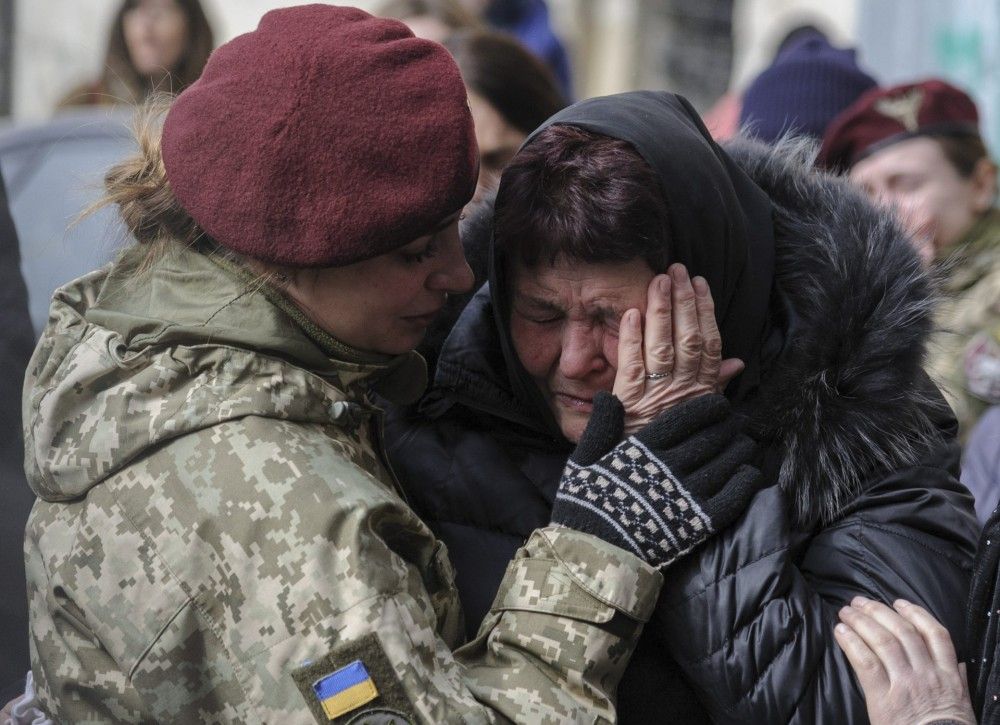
[423,320]
[574,403]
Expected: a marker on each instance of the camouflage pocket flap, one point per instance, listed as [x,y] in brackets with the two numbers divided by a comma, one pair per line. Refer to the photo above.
[544,585]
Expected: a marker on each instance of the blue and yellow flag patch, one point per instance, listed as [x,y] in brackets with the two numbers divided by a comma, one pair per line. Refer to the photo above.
[353,680]
[346,689]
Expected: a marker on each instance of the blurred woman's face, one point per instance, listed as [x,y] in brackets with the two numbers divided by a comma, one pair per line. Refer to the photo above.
[498,142]
[156,34]
[385,304]
[934,203]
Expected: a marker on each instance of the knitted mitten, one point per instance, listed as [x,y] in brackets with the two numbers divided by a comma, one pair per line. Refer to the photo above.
[660,492]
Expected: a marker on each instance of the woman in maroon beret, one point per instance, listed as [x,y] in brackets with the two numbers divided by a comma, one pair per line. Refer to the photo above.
[217,535]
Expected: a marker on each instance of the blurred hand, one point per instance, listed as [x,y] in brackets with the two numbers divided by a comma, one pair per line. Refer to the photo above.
[677,356]
[906,664]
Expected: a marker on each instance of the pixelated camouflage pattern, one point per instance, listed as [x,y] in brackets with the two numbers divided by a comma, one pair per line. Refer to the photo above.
[969,305]
[213,514]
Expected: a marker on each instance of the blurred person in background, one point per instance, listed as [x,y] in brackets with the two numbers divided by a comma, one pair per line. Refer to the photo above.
[917,148]
[431,19]
[154,46]
[806,86]
[16,342]
[814,81]
[511,92]
[981,460]
[529,22]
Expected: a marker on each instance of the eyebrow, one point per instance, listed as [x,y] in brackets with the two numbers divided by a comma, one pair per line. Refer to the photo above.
[523,298]
[604,310]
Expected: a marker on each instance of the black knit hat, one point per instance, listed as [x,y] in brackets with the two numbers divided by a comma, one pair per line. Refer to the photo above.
[808,84]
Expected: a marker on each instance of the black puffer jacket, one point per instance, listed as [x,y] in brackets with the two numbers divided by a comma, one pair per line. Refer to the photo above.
[744,629]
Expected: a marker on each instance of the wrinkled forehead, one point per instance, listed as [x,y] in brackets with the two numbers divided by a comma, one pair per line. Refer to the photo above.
[569,282]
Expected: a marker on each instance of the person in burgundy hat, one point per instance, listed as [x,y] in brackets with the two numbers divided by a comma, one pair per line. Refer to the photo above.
[218,537]
[917,147]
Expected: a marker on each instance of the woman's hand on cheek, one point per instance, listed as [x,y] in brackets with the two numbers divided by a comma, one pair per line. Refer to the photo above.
[678,354]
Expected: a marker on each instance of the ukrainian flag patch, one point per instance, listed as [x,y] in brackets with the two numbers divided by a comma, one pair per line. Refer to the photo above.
[348,688]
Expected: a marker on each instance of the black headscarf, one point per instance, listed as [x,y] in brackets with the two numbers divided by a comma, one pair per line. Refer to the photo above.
[720,221]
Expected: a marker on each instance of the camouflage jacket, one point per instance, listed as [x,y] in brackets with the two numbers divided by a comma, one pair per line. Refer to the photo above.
[969,285]
[217,540]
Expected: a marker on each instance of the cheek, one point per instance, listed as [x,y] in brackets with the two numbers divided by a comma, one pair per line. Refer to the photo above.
[132,30]
[537,349]
[394,292]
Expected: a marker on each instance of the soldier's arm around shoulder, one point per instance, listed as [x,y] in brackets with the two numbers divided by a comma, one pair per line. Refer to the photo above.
[313,591]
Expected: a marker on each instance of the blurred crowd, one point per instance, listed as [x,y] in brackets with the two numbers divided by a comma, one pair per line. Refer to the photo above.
[884,284]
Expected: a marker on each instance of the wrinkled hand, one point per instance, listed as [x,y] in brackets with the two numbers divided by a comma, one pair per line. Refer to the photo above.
[906,664]
[680,346]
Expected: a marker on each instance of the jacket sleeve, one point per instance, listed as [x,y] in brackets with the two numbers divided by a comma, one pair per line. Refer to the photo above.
[247,565]
[749,618]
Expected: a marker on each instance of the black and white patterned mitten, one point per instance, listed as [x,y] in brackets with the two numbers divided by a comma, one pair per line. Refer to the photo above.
[661,492]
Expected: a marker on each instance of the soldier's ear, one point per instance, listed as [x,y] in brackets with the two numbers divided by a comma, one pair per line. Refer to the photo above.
[984,185]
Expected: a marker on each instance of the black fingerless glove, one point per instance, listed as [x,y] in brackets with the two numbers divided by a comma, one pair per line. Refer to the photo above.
[661,492]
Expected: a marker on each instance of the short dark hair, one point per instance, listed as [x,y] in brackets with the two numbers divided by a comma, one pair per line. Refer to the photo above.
[963,152]
[583,196]
[508,76]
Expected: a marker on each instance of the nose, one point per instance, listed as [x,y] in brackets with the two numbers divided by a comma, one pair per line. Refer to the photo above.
[582,351]
[453,273]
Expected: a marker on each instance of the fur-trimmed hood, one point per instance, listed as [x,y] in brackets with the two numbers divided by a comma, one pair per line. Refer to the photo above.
[846,399]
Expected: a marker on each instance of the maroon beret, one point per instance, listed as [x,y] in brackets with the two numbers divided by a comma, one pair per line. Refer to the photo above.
[324,137]
[884,116]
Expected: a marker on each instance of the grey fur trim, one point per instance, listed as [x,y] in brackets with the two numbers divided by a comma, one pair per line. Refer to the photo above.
[849,401]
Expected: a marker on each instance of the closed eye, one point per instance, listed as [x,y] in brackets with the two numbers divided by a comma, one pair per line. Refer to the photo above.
[538,312]
[428,251]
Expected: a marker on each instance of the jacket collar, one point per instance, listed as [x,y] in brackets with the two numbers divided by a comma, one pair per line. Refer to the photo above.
[189,297]
[974,256]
